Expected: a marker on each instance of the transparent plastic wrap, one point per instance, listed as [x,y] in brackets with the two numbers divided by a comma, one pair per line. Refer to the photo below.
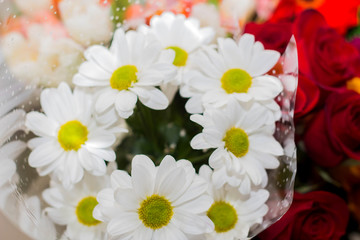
[49,47]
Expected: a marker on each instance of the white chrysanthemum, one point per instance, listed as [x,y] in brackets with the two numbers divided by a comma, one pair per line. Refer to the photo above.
[184,36]
[74,208]
[236,72]
[165,202]
[232,213]
[87,21]
[70,138]
[244,144]
[131,69]
[33,221]
[44,56]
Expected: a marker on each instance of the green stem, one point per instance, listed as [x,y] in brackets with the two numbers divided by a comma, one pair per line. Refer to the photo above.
[201,157]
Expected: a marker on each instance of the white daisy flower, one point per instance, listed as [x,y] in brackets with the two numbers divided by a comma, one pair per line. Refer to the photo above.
[244,144]
[182,35]
[33,221]
[70,140]
[232,213]
[236,72]
[165,202]
[131,69]
[74,208]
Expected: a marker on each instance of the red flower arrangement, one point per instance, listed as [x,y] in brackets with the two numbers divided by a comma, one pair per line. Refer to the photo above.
[327,116]
[312,216]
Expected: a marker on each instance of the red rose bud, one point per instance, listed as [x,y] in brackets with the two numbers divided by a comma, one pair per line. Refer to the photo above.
[312,216]
[323,53]
[334,133]
[274,36]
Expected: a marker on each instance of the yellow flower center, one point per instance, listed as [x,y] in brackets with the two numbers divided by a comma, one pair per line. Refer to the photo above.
[72,135]
[181,56]
[123,77]
[223,215]
[236,81]
[155,212]
[84,211]
[237,141]
[354,84]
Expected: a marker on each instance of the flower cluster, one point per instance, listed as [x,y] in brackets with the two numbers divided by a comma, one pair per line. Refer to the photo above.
[85,115]
[233,98]
[148,123]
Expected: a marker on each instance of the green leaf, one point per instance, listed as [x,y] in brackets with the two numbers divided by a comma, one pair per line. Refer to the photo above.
[350,163]
[327,178]
[307,188]
[353,33]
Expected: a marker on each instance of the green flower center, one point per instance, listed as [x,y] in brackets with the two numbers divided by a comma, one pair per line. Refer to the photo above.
[223,215]
[72,135]
[84,211]
[123,77]
[236,81]
[181,56]
[236,141]
[155,212]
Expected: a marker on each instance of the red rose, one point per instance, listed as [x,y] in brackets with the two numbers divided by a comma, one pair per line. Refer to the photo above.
[339,16]
[323,53]
[307,96]
[275,36]
[312,216]
[334,133]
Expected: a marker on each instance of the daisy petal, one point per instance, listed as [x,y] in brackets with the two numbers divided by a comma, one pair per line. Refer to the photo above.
[41,125]
[172,184]
[125,103]
[100,140]
[127,199]
[265,88]
[199,142]
[256,200]
[169,232]
[154,99]
[142,180]
[191,223]
[143,233]
[105,100]
[199,205]
[120,179]
[105,154]
[127,222]
[265,144]
[106,197]
[45,154]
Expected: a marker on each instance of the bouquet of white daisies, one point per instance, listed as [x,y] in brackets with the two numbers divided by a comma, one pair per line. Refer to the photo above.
[167,133]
